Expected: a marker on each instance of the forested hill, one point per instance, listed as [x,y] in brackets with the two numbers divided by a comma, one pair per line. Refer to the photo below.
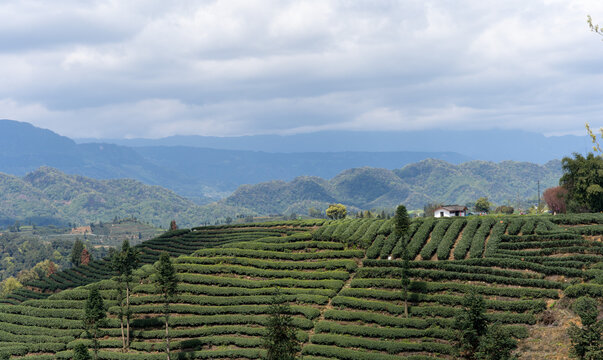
[413,185]
[48,196]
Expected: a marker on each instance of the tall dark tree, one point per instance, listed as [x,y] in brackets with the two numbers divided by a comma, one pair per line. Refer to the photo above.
[401,229]
[471,324]
[173,225]
[587,341]
[124,263]
[401,221]
[80,352]
[167,286]
[405,278]
[583,180]
[76,252]
[94,317]
[280,340]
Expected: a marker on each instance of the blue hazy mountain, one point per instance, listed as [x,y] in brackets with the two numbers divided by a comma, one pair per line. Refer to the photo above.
[488,145]
[199,173]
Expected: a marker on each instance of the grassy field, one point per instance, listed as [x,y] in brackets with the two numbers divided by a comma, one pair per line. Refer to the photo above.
[342,279]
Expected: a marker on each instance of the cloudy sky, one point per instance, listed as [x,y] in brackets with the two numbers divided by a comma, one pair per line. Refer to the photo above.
[148,68]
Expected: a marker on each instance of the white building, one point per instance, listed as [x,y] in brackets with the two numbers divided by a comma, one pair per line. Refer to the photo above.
[450,210]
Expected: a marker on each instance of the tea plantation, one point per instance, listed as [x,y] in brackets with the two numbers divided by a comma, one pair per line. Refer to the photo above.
[342,279]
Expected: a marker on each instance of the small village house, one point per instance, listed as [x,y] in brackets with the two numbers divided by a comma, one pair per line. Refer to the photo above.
[450,210]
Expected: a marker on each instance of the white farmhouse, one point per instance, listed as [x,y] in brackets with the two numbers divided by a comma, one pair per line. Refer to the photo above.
[450,210]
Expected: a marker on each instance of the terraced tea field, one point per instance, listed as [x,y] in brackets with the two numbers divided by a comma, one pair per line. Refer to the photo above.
[342,279]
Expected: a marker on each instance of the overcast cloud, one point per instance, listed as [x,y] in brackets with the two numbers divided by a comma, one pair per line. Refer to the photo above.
[156,68]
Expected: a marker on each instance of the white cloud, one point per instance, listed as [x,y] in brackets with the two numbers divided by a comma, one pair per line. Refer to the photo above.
[140,68]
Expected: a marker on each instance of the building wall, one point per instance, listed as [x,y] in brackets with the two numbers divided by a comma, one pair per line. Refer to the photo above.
[436,213]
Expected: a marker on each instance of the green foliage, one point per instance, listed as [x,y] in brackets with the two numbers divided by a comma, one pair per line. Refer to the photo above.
[9,285]
[94,316]
[471,324]
[167,285]
[80,352]
[280,340]
[76,252]
[496,344]
[583,179]
[587,341]
[401,221]
[336,211]
[482,205]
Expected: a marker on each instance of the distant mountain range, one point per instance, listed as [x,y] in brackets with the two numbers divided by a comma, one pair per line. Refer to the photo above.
[285,182]
[200,174]
[413,185]
[487,145]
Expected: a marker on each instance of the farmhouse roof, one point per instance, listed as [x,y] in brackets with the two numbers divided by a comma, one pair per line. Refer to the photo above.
[453,207]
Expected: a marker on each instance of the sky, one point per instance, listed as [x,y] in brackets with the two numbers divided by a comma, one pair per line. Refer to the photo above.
[128,69]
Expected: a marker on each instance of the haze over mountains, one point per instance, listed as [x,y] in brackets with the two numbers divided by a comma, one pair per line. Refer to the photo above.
[488,145]
[201,174]
[285,182]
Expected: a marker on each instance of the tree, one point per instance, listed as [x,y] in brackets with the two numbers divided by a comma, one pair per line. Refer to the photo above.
[166,285]
[555,199]
[124,262]
[80,352]
[476,338]
[594,27]
[94,317]
[583,180]
[496,344]
[482,205]
[9,285]
[280,339]
[591,134]
[401,228]
[85,258]
[504,209]
[401,221]
[173,225]
[405,277]
[586,340]
[471,324]
[314,213]
[76,252]
[336,211]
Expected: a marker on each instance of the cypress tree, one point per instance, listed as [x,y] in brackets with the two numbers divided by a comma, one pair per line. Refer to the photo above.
[124,263]
[166,285]
[401,228]
[471,324]
[280,339]
[94,317]
[76,252]
[80,352]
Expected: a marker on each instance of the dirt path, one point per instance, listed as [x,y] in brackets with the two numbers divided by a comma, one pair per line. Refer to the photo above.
[418,257]
[458,238]
[329,306]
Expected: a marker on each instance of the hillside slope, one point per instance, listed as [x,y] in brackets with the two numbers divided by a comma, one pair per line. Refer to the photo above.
[346,301]
[48,196]
[414,185]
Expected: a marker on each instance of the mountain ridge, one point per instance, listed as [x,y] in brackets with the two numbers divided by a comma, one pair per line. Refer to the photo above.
[414,185]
